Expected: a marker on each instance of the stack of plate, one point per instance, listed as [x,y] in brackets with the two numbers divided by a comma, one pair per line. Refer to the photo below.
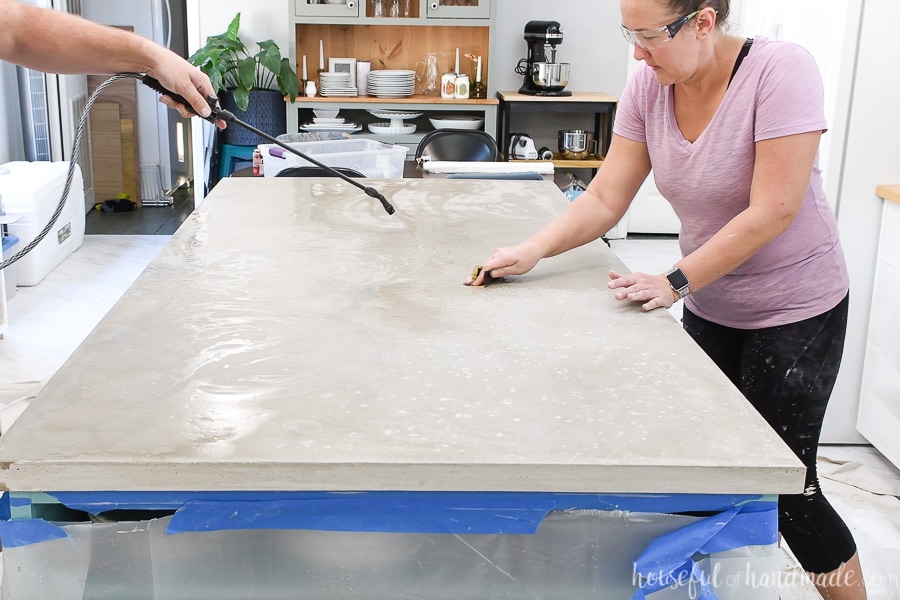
[392,83]
[337,84]
[334,123]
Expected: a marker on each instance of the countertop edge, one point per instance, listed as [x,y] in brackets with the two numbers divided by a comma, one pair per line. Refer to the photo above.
[779,477]
[889,192]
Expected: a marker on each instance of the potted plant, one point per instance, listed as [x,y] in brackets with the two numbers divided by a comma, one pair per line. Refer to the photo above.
[252,86]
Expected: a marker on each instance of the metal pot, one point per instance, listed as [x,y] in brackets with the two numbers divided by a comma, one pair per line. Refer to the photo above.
[575,144]
[553,77]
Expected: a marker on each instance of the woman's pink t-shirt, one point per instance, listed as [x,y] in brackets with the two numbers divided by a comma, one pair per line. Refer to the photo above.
[776,92]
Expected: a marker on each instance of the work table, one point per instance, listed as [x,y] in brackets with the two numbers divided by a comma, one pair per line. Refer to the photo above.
[293,336]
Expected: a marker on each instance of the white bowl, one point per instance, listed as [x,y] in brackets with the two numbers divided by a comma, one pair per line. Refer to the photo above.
[456,122]
[386,129]
[326,113]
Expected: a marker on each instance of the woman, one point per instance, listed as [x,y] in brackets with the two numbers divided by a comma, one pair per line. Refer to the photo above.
[731,129]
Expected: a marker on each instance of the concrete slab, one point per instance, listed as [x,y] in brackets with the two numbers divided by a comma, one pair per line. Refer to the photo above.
[292,336]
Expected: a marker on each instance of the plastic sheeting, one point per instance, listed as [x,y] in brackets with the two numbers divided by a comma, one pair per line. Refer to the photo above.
[584,554]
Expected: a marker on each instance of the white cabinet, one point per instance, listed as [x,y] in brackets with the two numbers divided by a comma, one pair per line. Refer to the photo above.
[392,10]
[458,9]
[3,314]
[879,406]
[319,8]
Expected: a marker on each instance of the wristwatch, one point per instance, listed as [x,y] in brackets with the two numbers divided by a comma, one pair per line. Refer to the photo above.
[679,282]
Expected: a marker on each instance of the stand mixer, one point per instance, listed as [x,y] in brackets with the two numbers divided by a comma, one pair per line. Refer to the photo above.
[543,77]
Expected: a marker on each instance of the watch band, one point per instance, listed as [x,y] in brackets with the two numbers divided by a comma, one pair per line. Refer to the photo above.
[679,282]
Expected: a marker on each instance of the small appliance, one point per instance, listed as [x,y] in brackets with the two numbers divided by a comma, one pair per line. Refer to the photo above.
[543,75]
[521,147]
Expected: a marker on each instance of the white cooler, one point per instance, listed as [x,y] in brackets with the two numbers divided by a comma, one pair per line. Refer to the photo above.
[33,190]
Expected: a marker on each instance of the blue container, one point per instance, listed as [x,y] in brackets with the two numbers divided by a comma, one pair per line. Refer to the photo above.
[9,240]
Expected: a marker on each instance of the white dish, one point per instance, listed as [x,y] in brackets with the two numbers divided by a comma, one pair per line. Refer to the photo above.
[387,129]
[349,128]
[393,114]
[324,121]
[392,73]
[456,122]
[326,113]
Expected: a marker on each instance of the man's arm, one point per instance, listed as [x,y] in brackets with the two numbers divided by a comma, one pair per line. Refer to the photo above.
[56,42]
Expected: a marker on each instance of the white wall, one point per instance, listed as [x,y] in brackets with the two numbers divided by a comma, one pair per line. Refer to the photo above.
[871,156]
[592,43]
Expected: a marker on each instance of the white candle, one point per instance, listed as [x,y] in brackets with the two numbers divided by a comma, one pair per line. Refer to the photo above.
[478,71]
[304,67]
[456,66]
[321,56]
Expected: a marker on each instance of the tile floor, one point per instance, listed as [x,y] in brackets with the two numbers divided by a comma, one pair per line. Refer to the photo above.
[48,321]
[145,220]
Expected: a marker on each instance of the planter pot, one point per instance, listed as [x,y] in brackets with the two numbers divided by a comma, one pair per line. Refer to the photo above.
[266,112]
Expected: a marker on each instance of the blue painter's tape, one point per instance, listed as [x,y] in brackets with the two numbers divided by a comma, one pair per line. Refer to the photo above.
[31,531]
[98,502]
[355,513]
[420,512]
[5,513]
[666,560]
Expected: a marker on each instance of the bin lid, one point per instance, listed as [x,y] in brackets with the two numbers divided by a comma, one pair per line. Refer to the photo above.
[26,185]
[9,240]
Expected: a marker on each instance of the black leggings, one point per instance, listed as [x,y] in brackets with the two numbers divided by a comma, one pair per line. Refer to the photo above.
[787,373]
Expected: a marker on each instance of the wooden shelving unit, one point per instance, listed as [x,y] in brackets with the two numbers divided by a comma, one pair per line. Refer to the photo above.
[514,105]
[415,99]
[395,43]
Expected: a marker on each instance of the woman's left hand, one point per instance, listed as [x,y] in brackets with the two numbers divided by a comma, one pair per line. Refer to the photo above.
[653,291]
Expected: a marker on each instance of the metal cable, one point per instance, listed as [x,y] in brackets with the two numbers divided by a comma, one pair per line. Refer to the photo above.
[72,165]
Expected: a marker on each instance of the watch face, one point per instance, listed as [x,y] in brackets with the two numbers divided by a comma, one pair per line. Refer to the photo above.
[677,279]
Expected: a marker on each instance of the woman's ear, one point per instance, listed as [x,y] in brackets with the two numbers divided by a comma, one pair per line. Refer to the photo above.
[706,21]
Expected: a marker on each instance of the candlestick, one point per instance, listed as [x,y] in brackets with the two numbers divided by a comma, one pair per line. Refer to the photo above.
[477,71]
[456,65]
[321,56]
[305,77]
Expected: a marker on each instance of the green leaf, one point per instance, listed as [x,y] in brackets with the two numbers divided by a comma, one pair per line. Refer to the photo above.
[246,72]
[288,81]
[269,56]
[233,28]
[242,97]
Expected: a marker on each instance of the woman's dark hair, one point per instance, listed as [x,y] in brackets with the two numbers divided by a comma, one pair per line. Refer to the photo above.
[686,7]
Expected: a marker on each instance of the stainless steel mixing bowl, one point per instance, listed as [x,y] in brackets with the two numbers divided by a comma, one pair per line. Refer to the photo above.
[553,77]
[576,144]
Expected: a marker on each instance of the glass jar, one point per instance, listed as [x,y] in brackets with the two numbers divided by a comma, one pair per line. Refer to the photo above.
[448,85]
[462,87]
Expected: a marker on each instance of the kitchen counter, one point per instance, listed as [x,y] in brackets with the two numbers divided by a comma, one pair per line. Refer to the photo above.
[889,192]
[293,336]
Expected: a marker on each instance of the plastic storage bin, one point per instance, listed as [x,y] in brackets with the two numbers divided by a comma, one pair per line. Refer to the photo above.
[369,157]
[9,273]
[33,190]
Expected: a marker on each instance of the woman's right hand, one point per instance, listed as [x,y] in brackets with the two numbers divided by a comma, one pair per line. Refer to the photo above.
[511,260]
